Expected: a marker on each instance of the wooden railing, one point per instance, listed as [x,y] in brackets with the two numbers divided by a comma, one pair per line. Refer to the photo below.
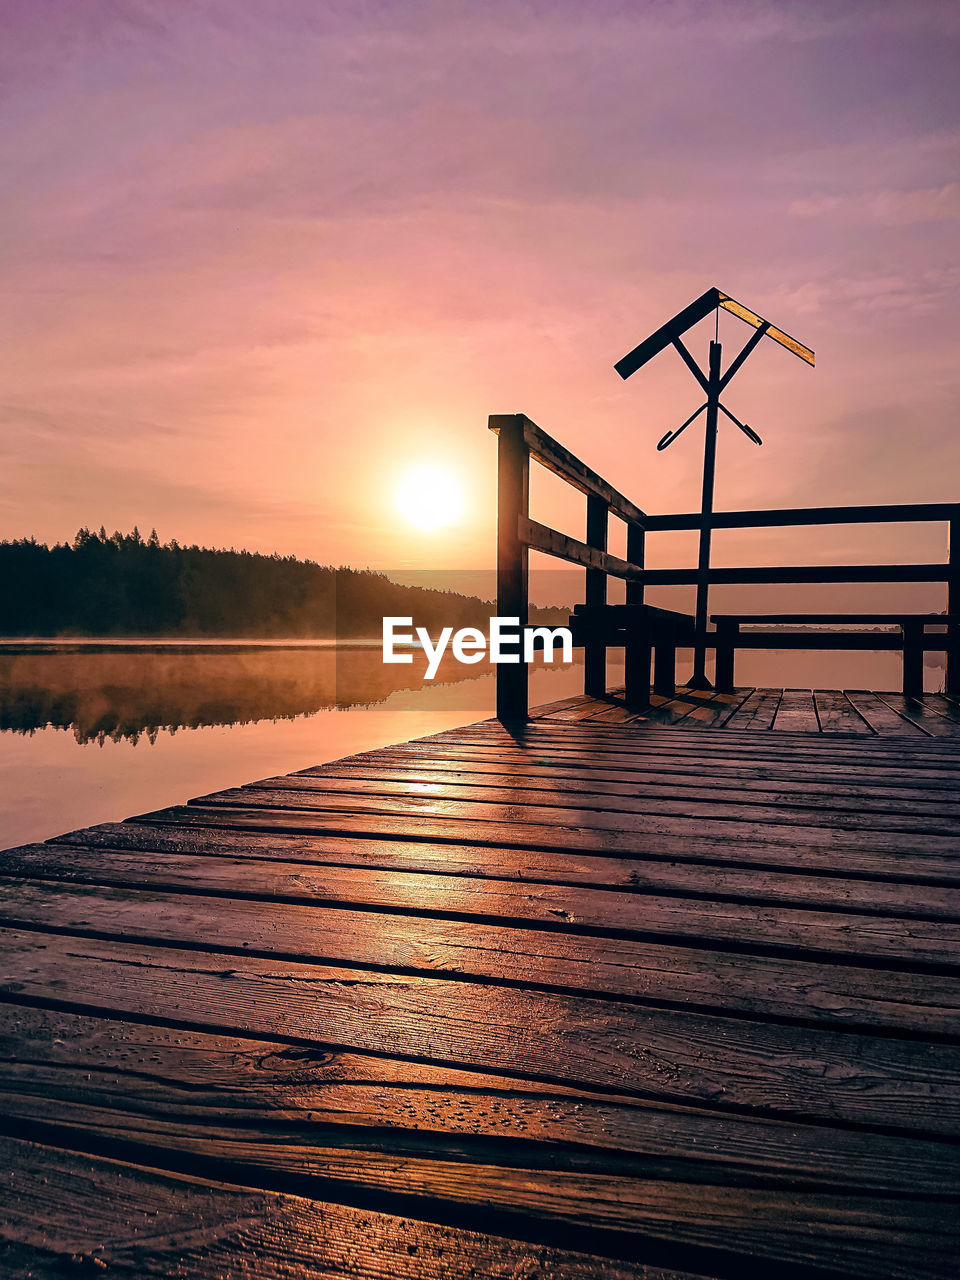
[519,440]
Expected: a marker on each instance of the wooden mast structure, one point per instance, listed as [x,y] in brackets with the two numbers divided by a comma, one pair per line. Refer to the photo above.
[712,382]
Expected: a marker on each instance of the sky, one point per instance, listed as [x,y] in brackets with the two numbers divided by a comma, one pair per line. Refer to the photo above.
[259,260]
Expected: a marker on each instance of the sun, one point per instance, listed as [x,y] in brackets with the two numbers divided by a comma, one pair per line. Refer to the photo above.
[429,497]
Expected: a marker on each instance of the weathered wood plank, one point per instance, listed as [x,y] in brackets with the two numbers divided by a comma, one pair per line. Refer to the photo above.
[661,710]
[831,791]
[515,808]
[638,737]
[876,854]
[283,1095]
[667,711]
[757,712]
[588,709]
[67,1214]
[614,713]
[716,712]
[622,1212]
[640,740]
[838,715]
[593,775]
[548,709]
[924,714]
[881,717]
[651,970]
[354,861]
[202,1228]
[688,710]
[727,1063]
[708,770]
[917,770]
[942,706]
[640,734]
[640,796]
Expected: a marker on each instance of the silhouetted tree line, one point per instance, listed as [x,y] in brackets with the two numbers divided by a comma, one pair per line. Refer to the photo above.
[124,584]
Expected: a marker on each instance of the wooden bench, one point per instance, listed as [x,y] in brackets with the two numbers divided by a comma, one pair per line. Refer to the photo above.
[910,637]
[640,629]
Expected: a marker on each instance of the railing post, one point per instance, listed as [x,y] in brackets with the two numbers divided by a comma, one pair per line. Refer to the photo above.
[595,653]
[513,501]
[636,656]
[951,682]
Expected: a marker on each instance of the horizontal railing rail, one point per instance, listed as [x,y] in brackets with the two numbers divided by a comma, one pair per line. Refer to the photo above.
[520,440]
[552,455]
[792,574]
[895,513]
[538,537]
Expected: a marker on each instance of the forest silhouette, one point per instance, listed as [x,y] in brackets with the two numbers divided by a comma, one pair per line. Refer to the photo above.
[127,585]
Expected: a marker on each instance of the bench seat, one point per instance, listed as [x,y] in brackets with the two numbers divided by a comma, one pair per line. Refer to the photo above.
[904,631]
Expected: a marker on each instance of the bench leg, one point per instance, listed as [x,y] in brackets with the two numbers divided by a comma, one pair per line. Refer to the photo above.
[952,673]
[665,668]
[913,660]
[636,674]
[595,670]
[726,649]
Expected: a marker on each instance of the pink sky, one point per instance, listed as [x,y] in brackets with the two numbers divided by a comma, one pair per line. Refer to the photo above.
[258,259]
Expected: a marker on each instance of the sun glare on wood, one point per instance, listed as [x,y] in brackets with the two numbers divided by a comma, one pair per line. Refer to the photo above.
[429,497]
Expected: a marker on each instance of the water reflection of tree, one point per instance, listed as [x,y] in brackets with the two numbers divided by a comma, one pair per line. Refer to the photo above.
[136,693]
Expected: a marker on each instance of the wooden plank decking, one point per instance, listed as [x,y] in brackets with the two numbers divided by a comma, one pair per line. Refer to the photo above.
[856,711]
[606,997]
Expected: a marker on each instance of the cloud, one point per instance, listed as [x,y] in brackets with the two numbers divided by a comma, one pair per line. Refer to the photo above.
[251,251]
[889,207]
[924,292]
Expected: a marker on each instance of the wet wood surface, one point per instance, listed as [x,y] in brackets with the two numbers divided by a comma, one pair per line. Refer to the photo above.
[660,997]
[826,711]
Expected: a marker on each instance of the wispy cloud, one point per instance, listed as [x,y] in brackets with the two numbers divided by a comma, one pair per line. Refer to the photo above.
[888,207]
[281,248]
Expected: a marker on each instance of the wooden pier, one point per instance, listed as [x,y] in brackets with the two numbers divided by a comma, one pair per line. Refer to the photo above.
[660,984]
[672,997]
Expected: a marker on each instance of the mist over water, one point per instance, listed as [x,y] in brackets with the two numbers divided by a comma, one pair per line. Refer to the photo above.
[97,732]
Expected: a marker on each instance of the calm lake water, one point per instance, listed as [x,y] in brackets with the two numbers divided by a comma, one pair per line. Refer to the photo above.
[97,732]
